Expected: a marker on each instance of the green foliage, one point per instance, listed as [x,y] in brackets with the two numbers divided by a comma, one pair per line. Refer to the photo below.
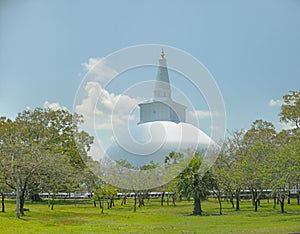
[290,109]
[191,183]
[105,191]
[257,160]
[39,153]
[150,166]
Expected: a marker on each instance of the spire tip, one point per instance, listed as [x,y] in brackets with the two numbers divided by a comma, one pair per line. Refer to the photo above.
[162,54]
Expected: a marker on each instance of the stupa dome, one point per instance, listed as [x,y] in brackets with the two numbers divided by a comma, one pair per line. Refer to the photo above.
[153,141]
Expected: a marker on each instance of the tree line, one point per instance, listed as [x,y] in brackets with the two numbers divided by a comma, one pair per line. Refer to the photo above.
[43,150]
[259,160]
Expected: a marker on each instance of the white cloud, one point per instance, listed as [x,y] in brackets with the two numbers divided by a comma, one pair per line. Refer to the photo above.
[104,110]
[104,113]
[273,102]
[53,106]
[98,70]
[91,63]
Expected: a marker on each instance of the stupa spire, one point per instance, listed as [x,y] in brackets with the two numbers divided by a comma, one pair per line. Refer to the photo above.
[162,108]
[162,54]
[162,89]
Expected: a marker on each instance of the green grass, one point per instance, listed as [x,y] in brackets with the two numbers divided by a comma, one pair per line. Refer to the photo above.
[82,217]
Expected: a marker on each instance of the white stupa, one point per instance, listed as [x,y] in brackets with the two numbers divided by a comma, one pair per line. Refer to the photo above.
[161,129]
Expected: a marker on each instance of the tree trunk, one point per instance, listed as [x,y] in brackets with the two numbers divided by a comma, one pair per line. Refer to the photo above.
[48,199]
[2,201]
[274,205]
[124,200]
[255,205]
[255,200]
[162,199]
[18,213]
[298,198]
[22,198]
[173,199]
[22,201]
[237,207]
[141,200]
[231,200]
[220,203]
[282,204]
[197,205]
[237,199]
[134,204]
[111,202]
[289,197]
[52,202]
[282,207]
[102,205]
[253,196]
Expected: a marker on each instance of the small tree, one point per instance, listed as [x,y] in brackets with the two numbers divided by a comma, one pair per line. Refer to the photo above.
[191,183]
[105,193]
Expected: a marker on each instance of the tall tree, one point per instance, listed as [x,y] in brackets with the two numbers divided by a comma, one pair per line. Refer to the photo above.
[227,169]
[290,109]
[259,145]
[38,144]
[285,168]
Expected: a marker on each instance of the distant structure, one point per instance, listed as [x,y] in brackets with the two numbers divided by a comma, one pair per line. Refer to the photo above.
[162,108]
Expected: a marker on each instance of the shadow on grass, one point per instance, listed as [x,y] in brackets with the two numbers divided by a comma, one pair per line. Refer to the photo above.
[204,214]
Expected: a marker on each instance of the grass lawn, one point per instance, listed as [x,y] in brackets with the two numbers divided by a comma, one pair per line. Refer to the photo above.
[82,217]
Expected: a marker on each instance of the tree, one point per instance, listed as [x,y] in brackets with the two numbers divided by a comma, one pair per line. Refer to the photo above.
[227,169]
[14,153]
[191,183]
[2,175]
[40,144]
[259,145]
[222,179]
[105,193]
[290,113]
[3,188]
[89,181]
[285,169]
[290,109]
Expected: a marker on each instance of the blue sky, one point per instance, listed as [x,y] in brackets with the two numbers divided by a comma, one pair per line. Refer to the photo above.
[251,47]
